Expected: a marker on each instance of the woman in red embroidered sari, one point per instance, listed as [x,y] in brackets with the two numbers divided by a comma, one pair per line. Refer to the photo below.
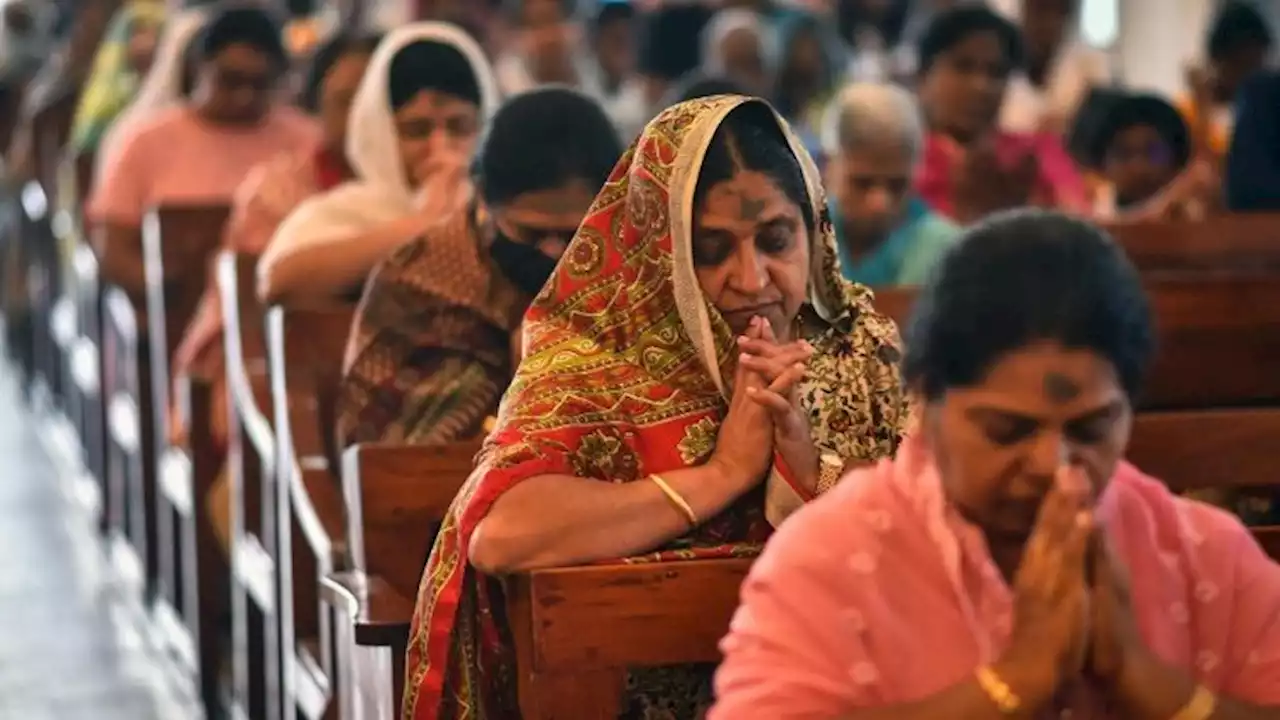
[696,327]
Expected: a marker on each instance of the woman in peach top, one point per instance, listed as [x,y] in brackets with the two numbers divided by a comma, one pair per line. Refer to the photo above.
[1008,562]
[970,166]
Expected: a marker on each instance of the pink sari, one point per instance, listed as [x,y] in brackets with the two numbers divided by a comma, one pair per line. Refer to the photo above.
[878,594]
[1058,185]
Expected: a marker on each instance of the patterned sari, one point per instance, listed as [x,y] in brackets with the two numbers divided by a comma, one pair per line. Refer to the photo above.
[430,350]
[623,376]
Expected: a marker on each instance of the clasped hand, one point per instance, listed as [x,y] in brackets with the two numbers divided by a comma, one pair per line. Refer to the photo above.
[1073,616]
[765,413]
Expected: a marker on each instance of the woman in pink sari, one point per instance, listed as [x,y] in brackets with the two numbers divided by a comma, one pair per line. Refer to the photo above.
[971,167]
[267,195]
[1008,562]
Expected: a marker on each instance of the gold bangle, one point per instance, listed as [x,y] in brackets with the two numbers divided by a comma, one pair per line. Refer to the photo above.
[676,499]
[1201,706]
[830,470]
[1005,699]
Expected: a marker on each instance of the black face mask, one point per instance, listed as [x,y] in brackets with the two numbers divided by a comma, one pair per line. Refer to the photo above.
[523,264]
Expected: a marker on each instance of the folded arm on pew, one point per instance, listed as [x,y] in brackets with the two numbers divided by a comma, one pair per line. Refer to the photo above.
[561,520]
[315,266]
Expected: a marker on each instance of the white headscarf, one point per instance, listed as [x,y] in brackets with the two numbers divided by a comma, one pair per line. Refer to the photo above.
[162,88]
[381,192]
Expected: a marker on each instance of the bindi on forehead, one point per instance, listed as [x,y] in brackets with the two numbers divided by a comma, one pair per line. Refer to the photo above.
[1061,389]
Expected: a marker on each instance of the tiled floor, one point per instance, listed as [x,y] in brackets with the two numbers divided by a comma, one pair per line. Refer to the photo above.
[65,651]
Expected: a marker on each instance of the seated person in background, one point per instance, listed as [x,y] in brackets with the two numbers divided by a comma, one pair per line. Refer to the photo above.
[670,48]
[885,233]
[807,72]
[436,337]
[413,126]
[168,83]
[1142,149]
[266,196]
[734,45]
[694,340]
[1059,71]
[970,166]
[120,64]
[1253,164]
[1008,562]
[1238,45]
[199,151]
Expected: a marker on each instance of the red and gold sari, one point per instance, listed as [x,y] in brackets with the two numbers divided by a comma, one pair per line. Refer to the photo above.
[624,377]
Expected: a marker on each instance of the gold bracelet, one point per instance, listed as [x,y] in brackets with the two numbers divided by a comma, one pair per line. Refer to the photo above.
[676,500]
[1006,700]
[1201,706]
[830,470]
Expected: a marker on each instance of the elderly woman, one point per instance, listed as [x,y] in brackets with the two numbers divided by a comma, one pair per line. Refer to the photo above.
[1008,562]
[736,44]
[414,123]
[695,370]
[971,167]
[886,234]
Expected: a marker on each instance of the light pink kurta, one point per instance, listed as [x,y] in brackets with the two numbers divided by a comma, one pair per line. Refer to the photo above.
[878,593]
[175,157]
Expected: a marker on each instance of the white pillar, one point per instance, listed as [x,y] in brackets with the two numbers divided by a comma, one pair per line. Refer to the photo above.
[1157,40]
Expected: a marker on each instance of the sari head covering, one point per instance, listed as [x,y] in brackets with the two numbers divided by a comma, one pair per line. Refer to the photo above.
[624,376]
[163,87]
[381,191]
[112,80]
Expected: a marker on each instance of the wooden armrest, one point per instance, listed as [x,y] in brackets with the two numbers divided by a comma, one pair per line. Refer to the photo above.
[381,614]
[623,616]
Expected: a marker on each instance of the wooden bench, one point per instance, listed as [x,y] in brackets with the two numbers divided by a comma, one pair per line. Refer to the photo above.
[252,459]
[177,245]
[1228,244]
[577,630]
[396,497]
[305,347]
[1236,318]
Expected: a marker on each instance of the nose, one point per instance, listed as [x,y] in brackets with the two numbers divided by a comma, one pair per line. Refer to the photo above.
[438,141]
[879,200]
[748,275]
[1051,451]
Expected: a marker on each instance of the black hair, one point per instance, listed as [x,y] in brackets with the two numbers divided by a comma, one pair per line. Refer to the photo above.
[952,27]
[750,138]
[1237,25]
[1021,277]
[1141,110]
[670,41]
[611,12]
[326,56]
[542,139]
[431,65]
[242,24]
[697,85]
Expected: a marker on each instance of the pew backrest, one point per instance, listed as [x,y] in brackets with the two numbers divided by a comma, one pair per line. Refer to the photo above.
[1234,243]
[1217,339]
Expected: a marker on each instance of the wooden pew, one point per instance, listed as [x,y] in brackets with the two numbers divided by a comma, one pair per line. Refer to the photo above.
[396,496]
[251,464]
[122,390]
[1225,244]
[1237,317]
[305,348]
[177,243]
[88,414]
[577,630]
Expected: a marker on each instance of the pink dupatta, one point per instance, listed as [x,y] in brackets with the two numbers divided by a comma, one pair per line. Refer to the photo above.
[1059,184]
[878,593]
